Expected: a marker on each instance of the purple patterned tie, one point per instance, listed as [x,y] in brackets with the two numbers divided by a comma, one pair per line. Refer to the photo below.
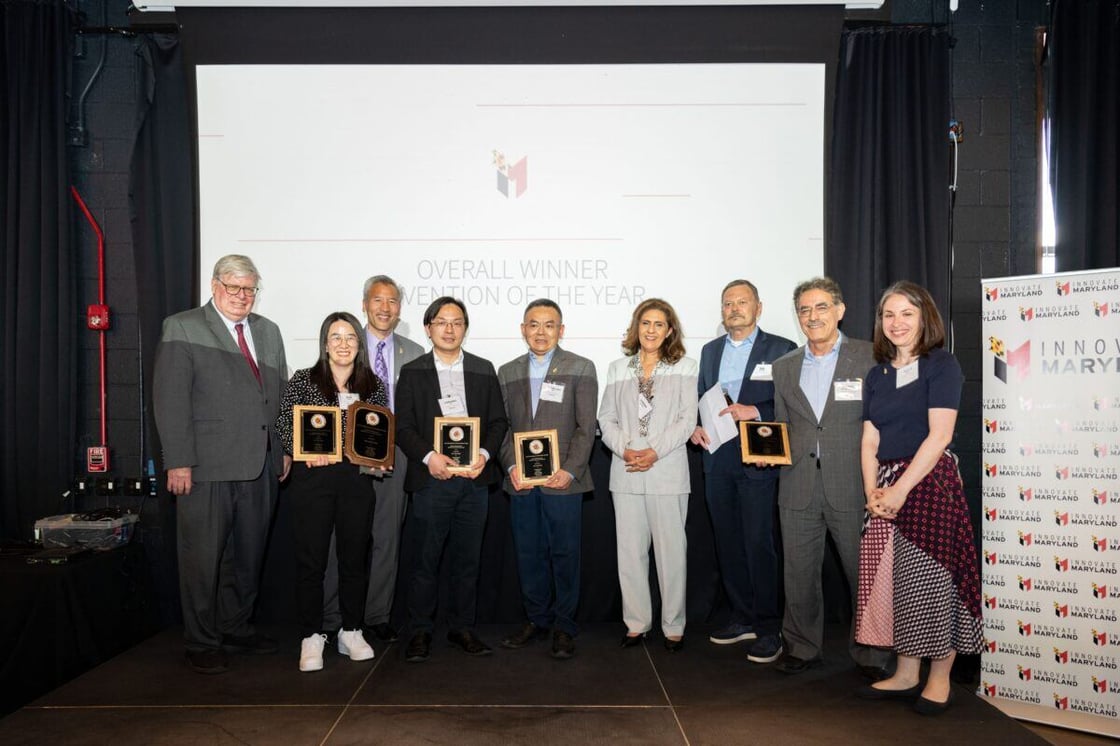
[380,369]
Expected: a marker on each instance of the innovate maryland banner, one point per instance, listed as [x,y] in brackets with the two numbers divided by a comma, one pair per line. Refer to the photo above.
[1051,498]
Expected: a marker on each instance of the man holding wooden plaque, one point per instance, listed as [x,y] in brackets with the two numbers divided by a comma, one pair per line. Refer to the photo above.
[551,399]
[450,425]
[741,496]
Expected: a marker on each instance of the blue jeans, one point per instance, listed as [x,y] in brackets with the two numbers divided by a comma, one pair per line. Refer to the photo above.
[546,534]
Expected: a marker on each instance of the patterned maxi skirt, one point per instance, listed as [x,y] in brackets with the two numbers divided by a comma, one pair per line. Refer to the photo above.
[919,584]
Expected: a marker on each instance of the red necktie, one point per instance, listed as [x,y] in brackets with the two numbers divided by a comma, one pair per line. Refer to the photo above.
[245,351]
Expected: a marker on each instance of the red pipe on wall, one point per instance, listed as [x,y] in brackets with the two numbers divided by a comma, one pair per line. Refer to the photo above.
[102,328]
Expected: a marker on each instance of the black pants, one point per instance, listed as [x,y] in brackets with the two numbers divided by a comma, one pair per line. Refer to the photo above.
[451,515]
[324,499]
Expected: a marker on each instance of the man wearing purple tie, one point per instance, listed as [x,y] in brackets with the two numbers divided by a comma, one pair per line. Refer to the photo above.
[388,351]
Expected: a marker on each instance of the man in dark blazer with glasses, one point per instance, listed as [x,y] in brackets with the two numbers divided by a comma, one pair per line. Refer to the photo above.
[449,507]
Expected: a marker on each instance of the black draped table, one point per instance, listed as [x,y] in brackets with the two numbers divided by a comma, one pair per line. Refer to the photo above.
[58,621]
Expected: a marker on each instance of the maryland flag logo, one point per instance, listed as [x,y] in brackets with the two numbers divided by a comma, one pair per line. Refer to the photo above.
[1062,287]
[1019,358]
[991,293]
[1026,314]
[1061,610]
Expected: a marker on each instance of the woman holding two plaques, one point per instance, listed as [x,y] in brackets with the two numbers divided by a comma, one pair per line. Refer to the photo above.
[647,415]
[919,587]
[330,495]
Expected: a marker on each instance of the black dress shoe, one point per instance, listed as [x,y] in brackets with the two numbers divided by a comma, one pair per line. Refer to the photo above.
[630,641]
[383,632]
[924,706]
[208,661]
[791,664]
[528,633]
[419,648]
[874,673]
[254,644]
[468,643]
[563,646]
[674,646]
[870,692]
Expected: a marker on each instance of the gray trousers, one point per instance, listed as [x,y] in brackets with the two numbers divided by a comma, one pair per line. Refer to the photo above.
[222,531]
[803,543]
[388,517]
[642,520]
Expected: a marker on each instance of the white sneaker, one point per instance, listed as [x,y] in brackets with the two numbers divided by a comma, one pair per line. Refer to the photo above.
[351,643]
[311,653]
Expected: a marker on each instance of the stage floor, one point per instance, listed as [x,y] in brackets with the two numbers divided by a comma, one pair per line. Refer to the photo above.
[706,694]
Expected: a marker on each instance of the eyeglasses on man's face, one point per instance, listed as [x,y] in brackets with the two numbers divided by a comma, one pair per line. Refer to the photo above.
[451,323]
[820,309]
[250,291]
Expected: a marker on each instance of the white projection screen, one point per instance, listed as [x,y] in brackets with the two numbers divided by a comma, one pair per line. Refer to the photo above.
[595,185]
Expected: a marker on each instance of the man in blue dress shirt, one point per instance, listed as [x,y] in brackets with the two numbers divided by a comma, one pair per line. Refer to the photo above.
[741,497]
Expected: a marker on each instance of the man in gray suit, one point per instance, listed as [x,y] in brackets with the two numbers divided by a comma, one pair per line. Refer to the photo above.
[549,388]
[219,372]
[388,351]
[818,390]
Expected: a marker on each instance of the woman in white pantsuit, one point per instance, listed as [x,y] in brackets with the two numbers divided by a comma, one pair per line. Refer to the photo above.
[647,415]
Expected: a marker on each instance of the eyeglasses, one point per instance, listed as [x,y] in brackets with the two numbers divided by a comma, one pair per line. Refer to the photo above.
[250,291]
[453,323]
[337,339]
[820,308]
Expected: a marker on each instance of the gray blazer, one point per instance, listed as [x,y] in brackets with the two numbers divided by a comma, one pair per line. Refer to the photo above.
[670,426]
[406,351]
[211,413]
[573,418]
[838,433]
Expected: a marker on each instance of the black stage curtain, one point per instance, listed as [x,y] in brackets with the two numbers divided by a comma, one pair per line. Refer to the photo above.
[166,260]
[161,204]
[38,385]
[1083,65]
[888,205]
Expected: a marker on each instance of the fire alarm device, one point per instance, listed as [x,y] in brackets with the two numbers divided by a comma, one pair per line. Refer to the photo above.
[97,316]
[97,459]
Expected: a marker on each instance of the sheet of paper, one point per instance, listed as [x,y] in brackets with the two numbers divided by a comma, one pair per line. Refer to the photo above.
[720,428]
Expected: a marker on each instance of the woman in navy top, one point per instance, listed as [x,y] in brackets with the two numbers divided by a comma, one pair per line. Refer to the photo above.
[919,585]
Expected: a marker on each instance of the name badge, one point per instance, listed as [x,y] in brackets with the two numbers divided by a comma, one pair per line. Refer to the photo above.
[645,406]
[906,375]
[552,392]
[452,406]
[345,400]
[762,372]
[848,390]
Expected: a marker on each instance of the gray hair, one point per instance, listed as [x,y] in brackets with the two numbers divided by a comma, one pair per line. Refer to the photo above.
[236,265]
[827,284]
[380,280]
[740,283]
